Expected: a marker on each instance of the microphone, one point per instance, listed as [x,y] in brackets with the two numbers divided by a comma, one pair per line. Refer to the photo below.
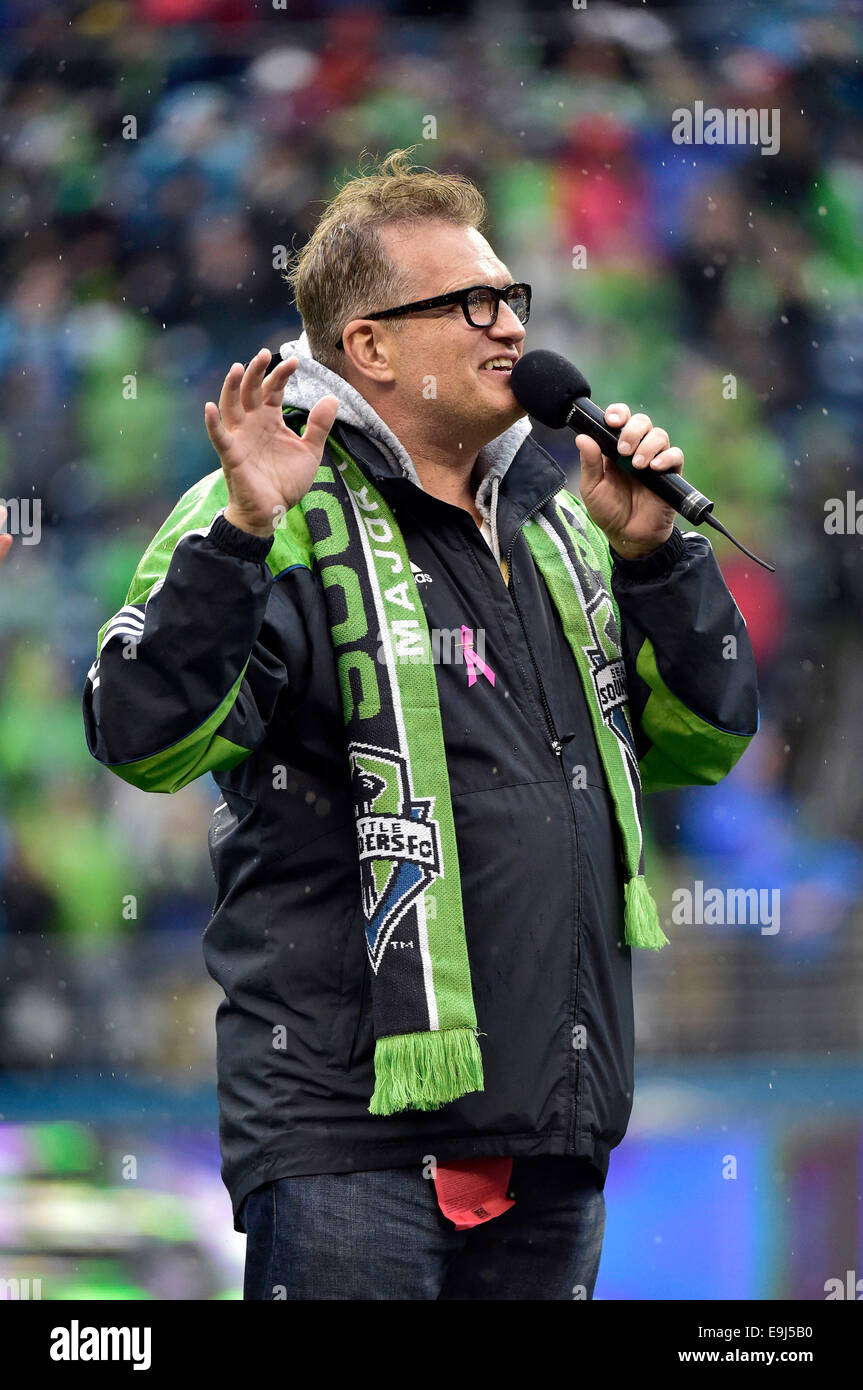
[557,394]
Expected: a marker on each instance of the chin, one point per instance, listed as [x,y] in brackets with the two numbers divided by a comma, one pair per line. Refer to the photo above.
[495,423]
[505,413]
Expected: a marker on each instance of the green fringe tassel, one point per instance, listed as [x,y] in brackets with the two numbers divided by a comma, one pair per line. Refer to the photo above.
[642,916]
[421,1071]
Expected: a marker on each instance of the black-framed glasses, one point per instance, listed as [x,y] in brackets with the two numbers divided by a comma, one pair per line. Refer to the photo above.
[479,304]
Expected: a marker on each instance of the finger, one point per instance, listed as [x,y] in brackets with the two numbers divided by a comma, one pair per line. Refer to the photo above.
[229,400]
[653,443]
[280,366]
[669,461]
[617,414]
[321,419]
[251,394]
[633,433]
[219,436]
[591,459]
[275,382]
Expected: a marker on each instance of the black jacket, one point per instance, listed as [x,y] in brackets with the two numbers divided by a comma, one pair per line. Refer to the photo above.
[233,673]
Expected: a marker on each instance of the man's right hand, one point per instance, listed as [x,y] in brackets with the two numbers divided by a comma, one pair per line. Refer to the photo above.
[267,467]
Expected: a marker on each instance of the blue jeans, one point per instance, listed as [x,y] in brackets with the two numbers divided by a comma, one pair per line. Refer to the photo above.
[381,1235]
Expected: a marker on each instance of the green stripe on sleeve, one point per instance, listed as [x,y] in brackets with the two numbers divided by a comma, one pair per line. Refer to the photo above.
[201,751]
[687,750]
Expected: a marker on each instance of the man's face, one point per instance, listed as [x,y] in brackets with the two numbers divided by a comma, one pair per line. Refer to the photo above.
[442,366]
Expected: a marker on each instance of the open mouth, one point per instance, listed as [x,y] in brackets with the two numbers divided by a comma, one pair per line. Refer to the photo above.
[502,365]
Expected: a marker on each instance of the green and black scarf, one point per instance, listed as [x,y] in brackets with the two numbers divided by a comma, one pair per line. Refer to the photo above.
[426,1050]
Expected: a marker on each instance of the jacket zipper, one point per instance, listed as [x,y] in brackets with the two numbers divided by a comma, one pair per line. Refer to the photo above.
[558,749]
[556,744]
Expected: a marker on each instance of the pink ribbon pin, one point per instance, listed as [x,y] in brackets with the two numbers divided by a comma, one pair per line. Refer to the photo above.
[475,664]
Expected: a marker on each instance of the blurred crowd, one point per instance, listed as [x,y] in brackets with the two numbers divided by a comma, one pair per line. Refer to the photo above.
[157,162]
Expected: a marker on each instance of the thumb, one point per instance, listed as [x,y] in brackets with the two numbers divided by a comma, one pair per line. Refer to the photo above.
[321,419]
[591,460]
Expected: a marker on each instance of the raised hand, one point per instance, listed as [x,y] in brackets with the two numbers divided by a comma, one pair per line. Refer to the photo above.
[267,467]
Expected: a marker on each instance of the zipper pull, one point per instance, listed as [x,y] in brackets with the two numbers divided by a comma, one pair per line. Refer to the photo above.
[556,745]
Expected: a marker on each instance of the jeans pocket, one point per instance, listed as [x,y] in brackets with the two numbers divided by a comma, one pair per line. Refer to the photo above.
[261,1222]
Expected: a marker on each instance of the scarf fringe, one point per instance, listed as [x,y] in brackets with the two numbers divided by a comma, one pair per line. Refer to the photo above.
[425,1070]
[642,916]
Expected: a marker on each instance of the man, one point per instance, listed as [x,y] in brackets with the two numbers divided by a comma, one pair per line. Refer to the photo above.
[365,1157]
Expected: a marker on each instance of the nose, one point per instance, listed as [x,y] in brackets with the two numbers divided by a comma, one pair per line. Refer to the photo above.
[507,325]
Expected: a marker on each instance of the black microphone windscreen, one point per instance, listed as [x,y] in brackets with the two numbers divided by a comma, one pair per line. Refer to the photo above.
[546,384]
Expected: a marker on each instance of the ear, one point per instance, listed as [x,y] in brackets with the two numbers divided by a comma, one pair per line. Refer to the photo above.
[367,348]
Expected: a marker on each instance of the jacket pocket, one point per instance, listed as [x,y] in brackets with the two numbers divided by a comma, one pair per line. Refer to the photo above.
[353,998]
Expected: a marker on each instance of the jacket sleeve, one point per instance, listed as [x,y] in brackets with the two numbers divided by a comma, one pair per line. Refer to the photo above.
[182,684]
[691,676]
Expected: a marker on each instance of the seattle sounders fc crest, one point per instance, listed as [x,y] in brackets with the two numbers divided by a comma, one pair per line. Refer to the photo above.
[397,839]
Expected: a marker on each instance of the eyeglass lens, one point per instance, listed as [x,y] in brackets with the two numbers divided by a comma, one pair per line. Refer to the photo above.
[482,306]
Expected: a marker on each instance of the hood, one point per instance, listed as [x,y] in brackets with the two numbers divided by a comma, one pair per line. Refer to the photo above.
[312,380]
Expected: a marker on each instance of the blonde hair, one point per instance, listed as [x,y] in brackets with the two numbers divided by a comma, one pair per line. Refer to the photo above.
[343,270]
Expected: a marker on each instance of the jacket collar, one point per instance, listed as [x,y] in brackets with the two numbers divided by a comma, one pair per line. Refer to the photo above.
[531,476]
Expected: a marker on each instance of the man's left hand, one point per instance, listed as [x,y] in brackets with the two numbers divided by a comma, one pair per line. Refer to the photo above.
[634,520]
